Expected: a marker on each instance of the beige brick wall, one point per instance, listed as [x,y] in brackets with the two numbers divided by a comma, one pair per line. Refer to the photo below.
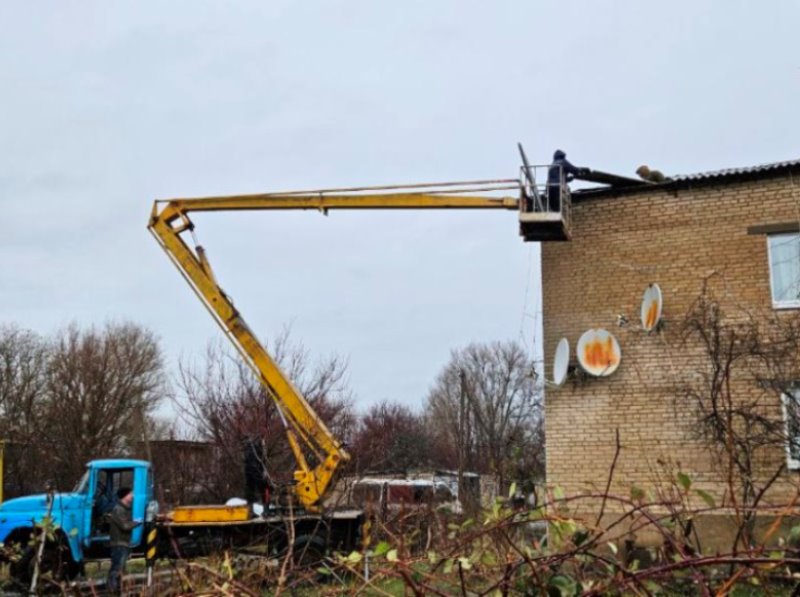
[620,245]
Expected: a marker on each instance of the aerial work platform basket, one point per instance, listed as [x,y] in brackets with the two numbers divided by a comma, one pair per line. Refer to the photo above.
[544,207]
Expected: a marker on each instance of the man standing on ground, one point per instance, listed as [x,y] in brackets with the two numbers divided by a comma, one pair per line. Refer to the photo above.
[120,527]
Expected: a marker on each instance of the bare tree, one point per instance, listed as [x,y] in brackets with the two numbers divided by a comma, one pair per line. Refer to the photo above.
[101,387]
[391,436]
[23,365]
[485,409]
[225,404]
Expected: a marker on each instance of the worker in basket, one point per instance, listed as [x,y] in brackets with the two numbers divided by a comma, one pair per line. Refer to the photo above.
[560,173]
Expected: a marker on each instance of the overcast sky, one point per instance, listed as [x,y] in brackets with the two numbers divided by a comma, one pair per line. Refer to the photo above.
[105,106]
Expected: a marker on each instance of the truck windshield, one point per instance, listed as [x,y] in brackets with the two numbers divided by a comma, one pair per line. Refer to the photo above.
[80,487]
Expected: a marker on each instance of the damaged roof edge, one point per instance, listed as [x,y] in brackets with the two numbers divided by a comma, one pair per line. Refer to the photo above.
[683,181]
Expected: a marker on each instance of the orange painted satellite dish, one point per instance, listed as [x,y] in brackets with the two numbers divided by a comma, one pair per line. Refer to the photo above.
[561,362]
[598,352]
[652,304]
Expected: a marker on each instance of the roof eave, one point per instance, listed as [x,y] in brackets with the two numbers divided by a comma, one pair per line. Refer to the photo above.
[686,182]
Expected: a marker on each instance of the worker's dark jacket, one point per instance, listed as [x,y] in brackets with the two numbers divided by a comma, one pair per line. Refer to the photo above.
[558,174]
[120,526]
[554,173]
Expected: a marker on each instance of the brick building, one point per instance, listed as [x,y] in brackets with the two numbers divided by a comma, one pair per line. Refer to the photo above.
[735,231]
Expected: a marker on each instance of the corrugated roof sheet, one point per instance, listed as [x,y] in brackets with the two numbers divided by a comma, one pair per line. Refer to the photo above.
[681,180]
[738,171]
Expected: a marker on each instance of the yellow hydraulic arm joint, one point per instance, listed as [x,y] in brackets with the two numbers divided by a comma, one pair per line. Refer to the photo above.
[304,428]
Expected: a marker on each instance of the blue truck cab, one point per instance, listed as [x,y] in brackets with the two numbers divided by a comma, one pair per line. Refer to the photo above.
[76,517]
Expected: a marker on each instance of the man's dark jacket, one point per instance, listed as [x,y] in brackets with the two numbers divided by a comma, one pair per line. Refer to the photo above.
[561,166]
[120,526]
[560,172]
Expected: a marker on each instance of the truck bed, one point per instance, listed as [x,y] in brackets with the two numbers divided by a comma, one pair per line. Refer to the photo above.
[203,516]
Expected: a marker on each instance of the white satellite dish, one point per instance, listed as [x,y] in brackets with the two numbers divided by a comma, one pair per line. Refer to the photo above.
[561,362]
[652,303]
[598,352]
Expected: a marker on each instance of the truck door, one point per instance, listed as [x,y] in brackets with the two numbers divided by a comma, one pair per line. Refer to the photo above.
[142,493]
[107,481]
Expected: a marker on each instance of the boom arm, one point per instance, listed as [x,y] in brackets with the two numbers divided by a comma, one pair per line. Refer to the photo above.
[170,219]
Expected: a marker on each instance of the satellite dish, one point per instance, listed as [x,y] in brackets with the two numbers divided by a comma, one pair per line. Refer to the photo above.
[598,352]
[561,362]
[652,304]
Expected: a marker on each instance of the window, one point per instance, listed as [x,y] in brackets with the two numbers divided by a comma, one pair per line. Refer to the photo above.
[784,269]
[791,417]
[83,483]
[112,480]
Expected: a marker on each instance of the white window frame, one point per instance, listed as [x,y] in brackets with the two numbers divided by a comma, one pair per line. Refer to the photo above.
[792,463]
[776,304]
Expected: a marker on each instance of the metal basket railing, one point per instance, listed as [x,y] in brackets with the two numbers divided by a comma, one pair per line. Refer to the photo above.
[544,197]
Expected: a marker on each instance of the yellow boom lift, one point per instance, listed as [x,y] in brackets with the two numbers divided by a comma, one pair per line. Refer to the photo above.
[317,452]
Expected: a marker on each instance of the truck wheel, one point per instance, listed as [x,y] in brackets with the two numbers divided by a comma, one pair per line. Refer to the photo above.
[22,569]
[56,562]
[308,551]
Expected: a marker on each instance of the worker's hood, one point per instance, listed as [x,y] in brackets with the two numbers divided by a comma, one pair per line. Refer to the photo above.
[559,155]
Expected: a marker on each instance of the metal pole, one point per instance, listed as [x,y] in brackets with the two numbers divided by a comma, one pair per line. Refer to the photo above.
[462,426]
[2,470]
[150,553]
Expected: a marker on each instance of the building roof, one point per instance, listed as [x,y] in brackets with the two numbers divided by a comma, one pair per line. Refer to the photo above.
[679,181]
[727,172]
